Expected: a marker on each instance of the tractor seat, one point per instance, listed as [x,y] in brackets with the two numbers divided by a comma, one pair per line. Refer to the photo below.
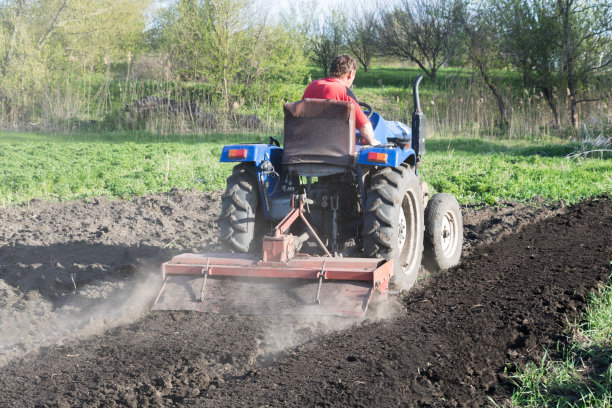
[319,137]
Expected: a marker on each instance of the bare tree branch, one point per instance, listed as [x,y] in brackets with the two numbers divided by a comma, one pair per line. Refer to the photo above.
[52,25]
[421,31]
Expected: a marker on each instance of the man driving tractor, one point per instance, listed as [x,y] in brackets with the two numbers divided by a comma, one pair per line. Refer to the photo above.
[337,87]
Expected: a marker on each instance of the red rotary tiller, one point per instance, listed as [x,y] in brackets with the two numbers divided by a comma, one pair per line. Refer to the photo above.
[317,285]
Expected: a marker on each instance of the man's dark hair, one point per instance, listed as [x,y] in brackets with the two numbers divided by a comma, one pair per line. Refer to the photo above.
[342,65]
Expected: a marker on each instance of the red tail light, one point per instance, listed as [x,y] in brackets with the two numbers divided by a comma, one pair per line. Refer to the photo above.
[377,157]
[237,154]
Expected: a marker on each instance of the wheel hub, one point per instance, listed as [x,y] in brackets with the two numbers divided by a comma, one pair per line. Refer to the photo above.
[449,234]
[408,222]
[402,229]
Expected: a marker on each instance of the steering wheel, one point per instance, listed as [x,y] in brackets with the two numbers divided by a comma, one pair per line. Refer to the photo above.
[368,108]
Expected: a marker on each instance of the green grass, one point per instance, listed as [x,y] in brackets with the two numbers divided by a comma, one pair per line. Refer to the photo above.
[488,171]
[577,373]
[65,167]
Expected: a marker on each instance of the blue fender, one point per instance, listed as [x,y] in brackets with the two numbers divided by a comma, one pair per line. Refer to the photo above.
[257,154]
[386,157]
[383,131]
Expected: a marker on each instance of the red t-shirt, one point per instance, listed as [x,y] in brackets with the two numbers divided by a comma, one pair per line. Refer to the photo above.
[332,88]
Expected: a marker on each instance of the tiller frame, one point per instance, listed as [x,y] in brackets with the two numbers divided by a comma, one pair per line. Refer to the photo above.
[351,281]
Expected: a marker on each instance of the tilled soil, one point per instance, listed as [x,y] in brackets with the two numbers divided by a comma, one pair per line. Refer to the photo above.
[76,279]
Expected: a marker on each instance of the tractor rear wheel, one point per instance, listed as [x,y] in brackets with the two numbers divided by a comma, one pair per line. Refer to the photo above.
[393,222]
[443,232]
[241,223]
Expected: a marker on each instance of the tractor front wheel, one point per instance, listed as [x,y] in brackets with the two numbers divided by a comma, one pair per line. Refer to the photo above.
[443,232]
[393,222]
[241,223]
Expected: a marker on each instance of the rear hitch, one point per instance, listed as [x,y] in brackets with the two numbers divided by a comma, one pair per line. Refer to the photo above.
[281,247]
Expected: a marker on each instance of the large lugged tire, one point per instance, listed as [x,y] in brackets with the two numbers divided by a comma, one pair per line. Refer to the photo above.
[393,222]
[443,232]
[241,222]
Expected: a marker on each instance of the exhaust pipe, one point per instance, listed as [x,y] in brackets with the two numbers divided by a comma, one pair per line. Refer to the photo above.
[418,121]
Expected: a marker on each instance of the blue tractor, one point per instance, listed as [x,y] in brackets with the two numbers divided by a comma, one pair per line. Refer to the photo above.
[324,209]
[369,195]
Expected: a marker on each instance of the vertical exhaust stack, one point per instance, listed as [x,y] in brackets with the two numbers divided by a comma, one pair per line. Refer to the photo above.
[418,121]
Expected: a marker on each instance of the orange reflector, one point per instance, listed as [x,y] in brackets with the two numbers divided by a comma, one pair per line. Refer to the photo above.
[237,153]
[377,157]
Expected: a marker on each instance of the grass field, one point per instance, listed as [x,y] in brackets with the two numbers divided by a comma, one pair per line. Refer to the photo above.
[487,171]
[64,167]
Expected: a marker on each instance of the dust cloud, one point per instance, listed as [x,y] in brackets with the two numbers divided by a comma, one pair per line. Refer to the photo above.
[285,332]
[29,320]
[287,313]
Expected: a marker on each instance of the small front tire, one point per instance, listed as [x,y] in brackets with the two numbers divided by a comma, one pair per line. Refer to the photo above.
[443,232]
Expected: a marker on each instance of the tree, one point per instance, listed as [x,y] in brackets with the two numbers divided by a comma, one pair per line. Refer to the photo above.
[42,41]
[586,26]
[180,32]
[362,34]
[222,43]
[326,40]
[558,45]
[421,31]
[22,60]
[484,47]
[531,32]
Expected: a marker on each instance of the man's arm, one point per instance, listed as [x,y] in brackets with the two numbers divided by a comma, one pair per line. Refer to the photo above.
[367,133]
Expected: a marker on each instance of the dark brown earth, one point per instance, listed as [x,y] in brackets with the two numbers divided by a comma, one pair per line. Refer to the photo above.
[448,342]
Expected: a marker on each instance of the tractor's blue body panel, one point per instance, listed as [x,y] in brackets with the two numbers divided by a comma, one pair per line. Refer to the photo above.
[256,153]
[395,156]
[383,131]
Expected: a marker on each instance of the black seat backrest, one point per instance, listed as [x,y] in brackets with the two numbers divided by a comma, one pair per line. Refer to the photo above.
[319,131]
